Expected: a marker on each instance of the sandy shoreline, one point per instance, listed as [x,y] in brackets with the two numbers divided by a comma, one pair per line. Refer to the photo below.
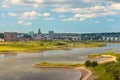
[109,58]
[86,74]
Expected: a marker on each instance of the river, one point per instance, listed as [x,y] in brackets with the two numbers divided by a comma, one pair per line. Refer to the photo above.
[19,66]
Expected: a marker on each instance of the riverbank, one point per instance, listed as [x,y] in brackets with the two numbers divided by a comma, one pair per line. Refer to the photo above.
[108,69]
[38,46]
[86,74]
[107,56]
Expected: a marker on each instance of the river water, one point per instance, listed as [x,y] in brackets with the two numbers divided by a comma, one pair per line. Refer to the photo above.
[19,66]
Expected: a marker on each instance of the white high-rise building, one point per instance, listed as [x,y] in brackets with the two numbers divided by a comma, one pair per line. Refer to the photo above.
[51,35]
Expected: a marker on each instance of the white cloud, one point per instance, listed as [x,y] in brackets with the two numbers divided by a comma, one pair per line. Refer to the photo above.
[62,9]
[30,15]
[85,16]
[15,1]
[4,6]
[33,15]
[35,1]
[94,15]
[13,14]
[49,19]
[86,1]
[69,19]
[93,1]
[81,11]
[89,12]
[110,20]
[97,22]
[46,14]
[9,3]
[27,24]
[36,5]
[116,6]
[20,22]
[82,19]
[38,1]
[24,23]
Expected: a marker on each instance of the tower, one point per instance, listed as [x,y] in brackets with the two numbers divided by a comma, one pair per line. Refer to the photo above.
[39,32]
[39,35]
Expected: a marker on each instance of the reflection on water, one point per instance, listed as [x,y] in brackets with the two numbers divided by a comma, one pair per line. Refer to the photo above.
[19,66]
[7,54]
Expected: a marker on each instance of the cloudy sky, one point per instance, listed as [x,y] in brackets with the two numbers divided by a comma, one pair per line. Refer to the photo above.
[60,15]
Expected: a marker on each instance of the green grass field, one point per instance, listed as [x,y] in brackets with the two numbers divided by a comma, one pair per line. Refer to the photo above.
[35,46]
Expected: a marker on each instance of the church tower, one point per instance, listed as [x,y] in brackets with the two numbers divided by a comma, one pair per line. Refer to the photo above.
[39,32]
[39,35]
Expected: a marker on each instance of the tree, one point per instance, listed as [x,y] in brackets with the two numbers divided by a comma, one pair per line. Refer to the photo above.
[87,63]
[118,57]
[26,36]
[116,77]
[1,35]
[94,63]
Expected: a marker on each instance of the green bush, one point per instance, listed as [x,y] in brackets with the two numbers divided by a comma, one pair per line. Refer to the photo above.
[87,63]
[94,63]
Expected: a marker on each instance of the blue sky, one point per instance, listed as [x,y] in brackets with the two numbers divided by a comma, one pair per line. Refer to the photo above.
[75,16]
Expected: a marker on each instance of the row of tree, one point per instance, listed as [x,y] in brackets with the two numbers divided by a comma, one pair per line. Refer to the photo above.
[89,63]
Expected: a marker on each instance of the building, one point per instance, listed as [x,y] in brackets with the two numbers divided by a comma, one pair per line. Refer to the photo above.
[39,35]
[115,37]
[10,36]
[76,38]
[51,35]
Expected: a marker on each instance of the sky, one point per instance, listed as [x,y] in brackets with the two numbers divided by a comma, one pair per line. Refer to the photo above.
[61,16]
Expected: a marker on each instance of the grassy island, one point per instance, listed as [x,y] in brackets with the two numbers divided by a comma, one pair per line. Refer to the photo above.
[57,65]
[37,46]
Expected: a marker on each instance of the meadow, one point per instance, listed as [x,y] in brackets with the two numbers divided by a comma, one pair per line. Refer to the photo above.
[37,46]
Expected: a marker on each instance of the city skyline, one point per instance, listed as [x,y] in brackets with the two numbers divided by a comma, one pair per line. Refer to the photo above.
[64,16]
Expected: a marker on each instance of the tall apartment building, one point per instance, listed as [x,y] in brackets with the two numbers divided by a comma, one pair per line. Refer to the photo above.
[51,35]
[10,36]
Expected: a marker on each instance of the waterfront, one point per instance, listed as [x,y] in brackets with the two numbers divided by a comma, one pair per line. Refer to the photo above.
[19,66]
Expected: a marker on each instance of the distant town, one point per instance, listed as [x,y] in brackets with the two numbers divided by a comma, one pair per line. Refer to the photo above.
[32,36]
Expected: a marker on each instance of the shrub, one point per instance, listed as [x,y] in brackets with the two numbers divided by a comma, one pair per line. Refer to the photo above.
[87,63]
[94,63]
